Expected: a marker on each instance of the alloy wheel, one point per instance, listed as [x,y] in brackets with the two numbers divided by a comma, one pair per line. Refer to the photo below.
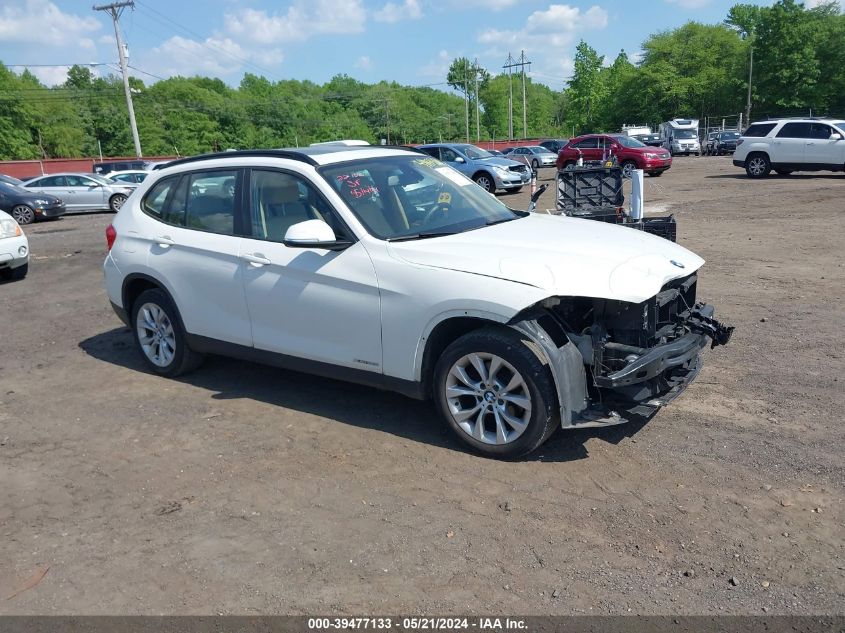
[488,398]
[23,214]
[156,335]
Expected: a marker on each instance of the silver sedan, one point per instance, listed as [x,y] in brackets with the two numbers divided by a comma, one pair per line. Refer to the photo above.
[535,156]
[82,192]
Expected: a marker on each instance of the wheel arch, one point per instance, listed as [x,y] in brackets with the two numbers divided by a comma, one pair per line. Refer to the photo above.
[136,283]
[483,172]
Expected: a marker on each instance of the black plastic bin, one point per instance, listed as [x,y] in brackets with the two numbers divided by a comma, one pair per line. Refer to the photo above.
[595,193]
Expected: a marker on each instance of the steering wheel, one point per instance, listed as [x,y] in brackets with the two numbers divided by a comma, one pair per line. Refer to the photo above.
[443,204]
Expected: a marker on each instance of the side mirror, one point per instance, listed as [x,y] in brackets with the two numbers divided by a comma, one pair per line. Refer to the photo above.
[313,234]
[458,159]
[835,137]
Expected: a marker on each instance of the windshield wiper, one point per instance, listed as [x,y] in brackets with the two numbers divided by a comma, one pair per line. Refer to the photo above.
[517,215]
[421,236]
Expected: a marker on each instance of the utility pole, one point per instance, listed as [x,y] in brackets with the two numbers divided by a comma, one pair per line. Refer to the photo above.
[523,62]
[477,106]
[114,10]
[466,102]
[750,71]
[510,62]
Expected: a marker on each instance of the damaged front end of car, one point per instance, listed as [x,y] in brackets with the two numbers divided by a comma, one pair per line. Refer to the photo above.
[613,360]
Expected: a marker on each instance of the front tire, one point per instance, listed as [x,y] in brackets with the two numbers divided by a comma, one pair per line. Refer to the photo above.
[23,214]
[757,166]
[14,274]
[495,393]
[486,182]
[159,335]
[116,201]
[535,164]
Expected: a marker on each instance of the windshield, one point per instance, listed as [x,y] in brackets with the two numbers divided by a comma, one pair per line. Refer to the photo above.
[628,141]
[100,179]
[840,125]
[685,134]
[537,149]
[411,197]
[472,152]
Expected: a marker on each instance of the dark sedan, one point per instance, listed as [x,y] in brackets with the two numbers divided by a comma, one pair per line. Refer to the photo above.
[27,206]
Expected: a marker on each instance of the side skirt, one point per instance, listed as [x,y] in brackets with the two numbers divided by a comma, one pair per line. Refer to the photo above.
[206,345]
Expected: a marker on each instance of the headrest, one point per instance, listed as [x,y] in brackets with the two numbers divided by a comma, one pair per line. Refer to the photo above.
[284,193]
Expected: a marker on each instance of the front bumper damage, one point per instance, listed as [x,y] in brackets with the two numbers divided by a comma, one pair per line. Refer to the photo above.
[630,360]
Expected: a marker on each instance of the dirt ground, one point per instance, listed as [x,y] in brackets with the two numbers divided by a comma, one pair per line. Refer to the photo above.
[242,489]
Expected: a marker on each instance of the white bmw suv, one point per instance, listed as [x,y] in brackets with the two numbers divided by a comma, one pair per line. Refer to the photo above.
[788,145]
[386,267]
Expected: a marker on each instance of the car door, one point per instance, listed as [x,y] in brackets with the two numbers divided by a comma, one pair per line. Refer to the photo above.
[87,192]
[789,144]
[310,303]
[192,237]
[55,186]
[821,150]
[590,148]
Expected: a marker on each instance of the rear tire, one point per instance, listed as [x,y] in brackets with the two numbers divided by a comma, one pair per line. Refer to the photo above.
[116,201]
[159,335]
[757,165]
[495,393]
[628,168]
[568,165]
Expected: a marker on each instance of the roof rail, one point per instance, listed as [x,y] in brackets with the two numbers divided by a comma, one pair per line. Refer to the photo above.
[269,153]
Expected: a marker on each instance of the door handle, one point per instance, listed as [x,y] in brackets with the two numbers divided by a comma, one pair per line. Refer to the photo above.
[258,260]
[164,241]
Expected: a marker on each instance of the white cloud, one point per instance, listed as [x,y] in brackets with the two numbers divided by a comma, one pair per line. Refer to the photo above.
[492,5]
[50,26]
[690,4]
[51,76]
[183,56]
[300,22]
[438,68]
[547,37]
[391,12]
[364,63]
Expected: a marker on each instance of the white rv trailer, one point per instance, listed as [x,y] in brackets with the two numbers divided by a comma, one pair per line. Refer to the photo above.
[681,136]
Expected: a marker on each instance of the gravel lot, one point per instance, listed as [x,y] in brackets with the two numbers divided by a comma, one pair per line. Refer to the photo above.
[242,489]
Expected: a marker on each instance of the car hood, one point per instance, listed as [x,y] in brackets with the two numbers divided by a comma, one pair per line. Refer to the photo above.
[563,256]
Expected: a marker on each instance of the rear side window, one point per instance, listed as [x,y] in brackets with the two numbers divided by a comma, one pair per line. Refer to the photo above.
[210,204]
[51,181]
[587,143]
[159,202]
[432,151]
[795,130]
[759,129]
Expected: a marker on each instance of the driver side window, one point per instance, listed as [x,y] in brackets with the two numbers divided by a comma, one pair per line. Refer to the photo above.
[448,155]
[278,200]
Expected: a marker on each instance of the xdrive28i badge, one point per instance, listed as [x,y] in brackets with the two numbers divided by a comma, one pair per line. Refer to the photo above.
[676,263]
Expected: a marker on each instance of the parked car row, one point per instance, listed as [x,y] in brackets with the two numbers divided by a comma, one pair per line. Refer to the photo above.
[52,195]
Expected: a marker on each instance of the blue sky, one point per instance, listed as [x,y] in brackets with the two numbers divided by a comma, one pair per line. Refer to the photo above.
[409,41]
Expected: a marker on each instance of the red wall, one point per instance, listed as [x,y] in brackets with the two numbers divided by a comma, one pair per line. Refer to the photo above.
[28,168]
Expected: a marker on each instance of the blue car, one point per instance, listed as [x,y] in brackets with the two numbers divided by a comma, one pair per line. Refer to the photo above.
[493,173]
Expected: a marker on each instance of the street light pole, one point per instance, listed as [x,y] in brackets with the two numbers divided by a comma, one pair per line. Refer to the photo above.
[114,10]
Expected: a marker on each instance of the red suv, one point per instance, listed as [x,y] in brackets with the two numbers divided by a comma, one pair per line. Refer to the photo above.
[631,153]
